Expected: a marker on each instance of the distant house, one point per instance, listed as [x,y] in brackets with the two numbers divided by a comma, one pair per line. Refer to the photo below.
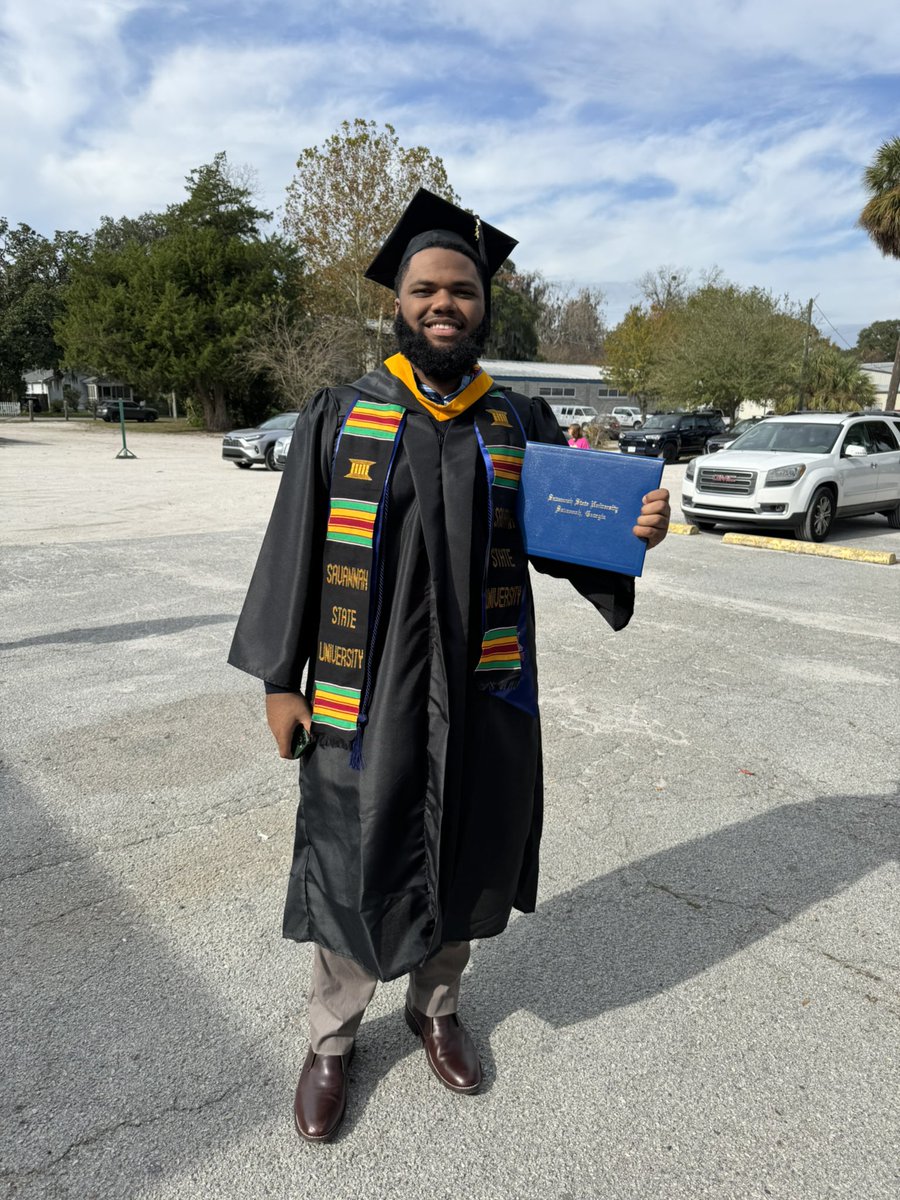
[43,388]
[558,382]
[100,389]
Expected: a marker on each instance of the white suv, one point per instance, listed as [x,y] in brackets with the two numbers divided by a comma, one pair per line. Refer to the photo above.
[800,471]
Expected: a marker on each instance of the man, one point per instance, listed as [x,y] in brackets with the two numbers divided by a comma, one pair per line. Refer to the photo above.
[393,569]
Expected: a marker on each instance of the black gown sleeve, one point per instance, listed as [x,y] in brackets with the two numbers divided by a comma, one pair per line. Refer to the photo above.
[610,593]
[277,629]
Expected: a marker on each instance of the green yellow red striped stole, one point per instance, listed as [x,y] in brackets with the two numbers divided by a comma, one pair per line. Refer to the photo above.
[501,441]
[361,471]
[351,590]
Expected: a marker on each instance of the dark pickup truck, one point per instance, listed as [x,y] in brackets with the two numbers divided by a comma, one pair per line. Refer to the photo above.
[671,435]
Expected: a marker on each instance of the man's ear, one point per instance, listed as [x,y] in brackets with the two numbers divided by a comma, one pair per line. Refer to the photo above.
[396,305]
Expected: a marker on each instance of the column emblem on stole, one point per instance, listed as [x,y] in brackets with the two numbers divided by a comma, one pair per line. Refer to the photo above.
[359,469]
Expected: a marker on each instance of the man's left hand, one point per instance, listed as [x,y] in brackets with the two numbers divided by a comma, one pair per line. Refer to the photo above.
[653,523]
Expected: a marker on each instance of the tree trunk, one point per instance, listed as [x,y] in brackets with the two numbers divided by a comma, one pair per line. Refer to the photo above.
[215,411]
[891,402]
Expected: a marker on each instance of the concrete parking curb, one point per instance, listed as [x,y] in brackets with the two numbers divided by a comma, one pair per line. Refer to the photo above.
[884,558]
[678,527]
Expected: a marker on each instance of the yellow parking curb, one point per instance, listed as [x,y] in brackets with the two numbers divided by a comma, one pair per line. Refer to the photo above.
[677,527]
[885,558]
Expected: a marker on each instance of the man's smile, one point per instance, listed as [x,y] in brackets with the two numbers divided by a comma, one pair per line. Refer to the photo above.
[443,327]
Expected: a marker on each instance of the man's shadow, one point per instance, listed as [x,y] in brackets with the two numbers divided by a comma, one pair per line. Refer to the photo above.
[651,924]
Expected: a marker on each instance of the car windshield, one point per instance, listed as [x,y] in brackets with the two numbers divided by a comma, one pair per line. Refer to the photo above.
[661,421]
[282,421]
[742,427]
[788,437]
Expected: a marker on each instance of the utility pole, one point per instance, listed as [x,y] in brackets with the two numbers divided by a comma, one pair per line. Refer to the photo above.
[805,364]
[891,403]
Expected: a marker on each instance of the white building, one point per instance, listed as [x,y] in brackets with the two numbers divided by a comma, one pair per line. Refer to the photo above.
[880,374]
[557,382]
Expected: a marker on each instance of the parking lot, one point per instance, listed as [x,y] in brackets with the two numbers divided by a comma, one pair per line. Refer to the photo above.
[705,1004]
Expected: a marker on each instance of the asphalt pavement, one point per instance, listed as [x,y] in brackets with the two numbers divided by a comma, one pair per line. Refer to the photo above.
[705,1004]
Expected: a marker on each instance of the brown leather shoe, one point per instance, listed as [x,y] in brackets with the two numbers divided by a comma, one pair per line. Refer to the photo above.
[450,1051]
[321,1095]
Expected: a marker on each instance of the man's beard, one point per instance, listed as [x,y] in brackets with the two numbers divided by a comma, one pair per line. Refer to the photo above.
[445,364]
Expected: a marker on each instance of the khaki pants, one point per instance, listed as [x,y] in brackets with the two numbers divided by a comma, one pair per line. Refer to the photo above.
[341,990]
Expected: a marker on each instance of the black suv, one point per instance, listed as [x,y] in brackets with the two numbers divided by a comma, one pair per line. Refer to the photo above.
[131,411]
[671,435]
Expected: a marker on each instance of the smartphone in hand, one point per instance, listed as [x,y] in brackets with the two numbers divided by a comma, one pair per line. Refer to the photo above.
[300,742]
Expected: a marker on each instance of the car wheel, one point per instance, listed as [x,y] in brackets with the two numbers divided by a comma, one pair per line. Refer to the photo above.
[818,517]
[893,517]
[705,526]
[636,425]
[243,465]
[270,459]
[669,452]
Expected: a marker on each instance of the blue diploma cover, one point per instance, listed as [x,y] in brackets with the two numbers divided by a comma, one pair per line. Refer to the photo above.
[581,505]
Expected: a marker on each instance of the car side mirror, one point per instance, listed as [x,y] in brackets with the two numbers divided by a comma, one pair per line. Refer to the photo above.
[855,452]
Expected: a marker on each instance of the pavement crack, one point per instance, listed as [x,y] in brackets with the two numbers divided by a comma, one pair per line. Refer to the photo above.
[68,912]
[111,1130]
[159,836]
[699,901]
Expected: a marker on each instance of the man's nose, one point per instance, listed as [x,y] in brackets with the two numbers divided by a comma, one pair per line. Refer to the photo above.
[443,301]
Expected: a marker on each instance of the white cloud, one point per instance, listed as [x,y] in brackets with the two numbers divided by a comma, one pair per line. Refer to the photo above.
[609,139]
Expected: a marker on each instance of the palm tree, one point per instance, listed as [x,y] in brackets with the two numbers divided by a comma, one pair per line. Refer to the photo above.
[835,383]
[881,220]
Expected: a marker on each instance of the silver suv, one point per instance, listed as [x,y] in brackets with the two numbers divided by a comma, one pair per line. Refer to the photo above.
[244,447]
[800,471]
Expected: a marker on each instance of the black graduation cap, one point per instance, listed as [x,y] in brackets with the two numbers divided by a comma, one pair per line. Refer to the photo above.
[430,220]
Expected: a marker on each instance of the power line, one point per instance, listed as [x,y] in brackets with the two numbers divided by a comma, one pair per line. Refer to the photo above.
[840,335]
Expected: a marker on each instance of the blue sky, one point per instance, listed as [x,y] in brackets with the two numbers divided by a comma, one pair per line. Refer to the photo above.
[610,138]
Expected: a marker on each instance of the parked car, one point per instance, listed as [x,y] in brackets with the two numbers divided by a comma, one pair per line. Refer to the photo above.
[131,410]
[244,447]
[723,441]
[799,472]
[671,435]
[628,416]
[574,414]
[282,446]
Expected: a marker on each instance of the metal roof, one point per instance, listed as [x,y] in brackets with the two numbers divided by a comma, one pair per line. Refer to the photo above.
[502,369]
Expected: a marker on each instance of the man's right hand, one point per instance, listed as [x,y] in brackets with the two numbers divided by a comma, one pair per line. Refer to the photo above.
[284,712]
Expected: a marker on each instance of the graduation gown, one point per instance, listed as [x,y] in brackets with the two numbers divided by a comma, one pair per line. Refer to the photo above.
[437,838]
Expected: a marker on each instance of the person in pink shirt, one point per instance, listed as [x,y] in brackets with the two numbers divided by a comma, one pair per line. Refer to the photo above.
[577,438]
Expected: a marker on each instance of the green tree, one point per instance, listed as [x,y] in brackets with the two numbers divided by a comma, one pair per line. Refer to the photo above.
[515,311]
[633,349]
[342,203]
[33,275]
[176,310]
[728,345]
[878,341]
[881,220]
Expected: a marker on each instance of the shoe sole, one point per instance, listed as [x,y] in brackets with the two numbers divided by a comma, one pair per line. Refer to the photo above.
[465,1091]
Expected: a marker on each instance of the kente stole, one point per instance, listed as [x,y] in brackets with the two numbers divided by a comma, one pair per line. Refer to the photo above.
[353,575]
